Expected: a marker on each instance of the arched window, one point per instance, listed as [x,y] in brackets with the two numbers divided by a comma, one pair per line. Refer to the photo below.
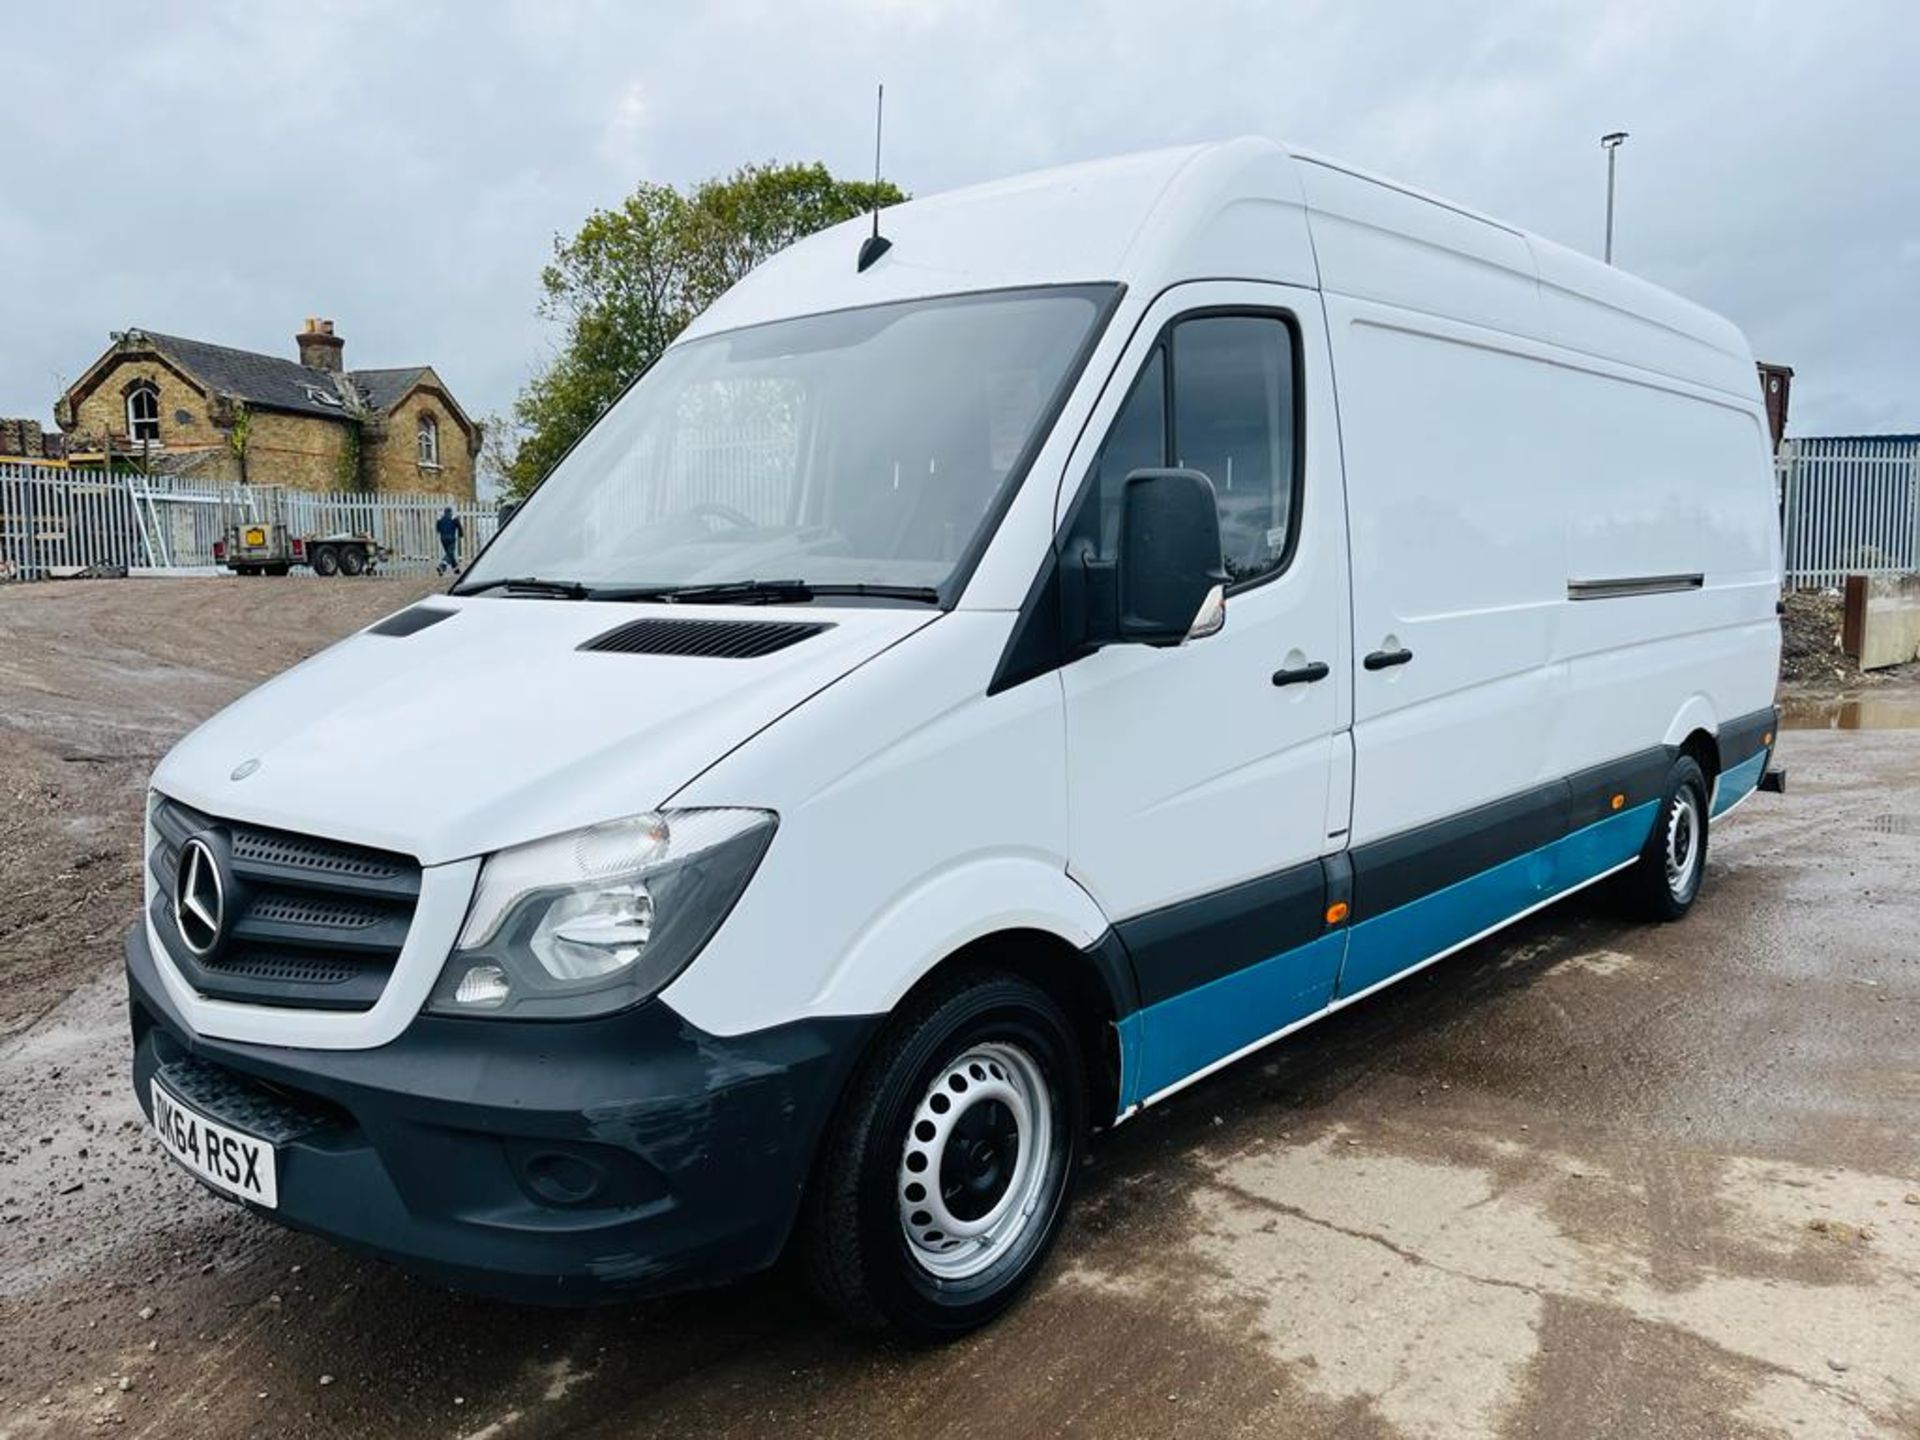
[143,411]
[429,439]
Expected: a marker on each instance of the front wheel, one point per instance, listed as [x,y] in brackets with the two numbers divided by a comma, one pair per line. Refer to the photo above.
[353,560]
[1666,879]
[946,1175]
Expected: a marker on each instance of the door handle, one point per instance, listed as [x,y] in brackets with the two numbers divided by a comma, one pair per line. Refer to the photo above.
[1385,659]
[1302,674]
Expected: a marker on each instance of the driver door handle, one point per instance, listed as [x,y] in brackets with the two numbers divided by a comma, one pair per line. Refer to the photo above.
[1302,674]
[1384,659]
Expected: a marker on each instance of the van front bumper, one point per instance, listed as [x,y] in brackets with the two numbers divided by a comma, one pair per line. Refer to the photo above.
[560,1162]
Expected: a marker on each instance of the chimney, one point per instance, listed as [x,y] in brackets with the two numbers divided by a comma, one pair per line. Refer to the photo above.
[319,347]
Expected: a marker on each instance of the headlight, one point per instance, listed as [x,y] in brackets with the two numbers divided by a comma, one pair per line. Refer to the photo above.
[601,918]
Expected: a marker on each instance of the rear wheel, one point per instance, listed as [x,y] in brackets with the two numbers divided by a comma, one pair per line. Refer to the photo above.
[1665,880]
[326,560]
[945,1177]
[353,560]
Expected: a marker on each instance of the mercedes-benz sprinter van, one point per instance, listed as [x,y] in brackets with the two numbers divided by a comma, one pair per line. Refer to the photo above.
[966,691]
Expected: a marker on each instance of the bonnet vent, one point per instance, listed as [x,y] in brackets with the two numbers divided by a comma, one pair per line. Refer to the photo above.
[711,639]
[412,621]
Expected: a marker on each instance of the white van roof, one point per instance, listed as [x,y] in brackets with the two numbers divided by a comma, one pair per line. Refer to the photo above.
[1247,209]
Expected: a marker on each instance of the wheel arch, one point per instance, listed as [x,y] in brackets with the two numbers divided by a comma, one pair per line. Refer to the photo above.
[1093,985]
[1695,731]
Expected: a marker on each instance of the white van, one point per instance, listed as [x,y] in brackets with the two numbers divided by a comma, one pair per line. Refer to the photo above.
[959,696]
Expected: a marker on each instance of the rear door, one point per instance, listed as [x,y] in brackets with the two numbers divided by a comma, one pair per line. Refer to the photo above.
[1200,777]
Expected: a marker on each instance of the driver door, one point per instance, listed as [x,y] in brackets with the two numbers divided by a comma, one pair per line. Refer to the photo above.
[1201,778]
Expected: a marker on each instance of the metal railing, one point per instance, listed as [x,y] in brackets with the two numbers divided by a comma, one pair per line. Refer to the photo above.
[60,522]
[1848,506]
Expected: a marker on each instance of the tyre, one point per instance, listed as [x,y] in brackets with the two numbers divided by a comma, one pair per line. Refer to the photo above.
[946,1174]
[326,560]
[1667,877]
[353,560]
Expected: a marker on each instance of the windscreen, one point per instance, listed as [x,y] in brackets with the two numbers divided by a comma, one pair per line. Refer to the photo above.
[859,447]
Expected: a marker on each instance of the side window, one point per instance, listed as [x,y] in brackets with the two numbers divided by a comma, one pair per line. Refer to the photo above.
[1232,419]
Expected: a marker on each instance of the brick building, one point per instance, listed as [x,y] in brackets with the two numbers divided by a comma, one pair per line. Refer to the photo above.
[189,407]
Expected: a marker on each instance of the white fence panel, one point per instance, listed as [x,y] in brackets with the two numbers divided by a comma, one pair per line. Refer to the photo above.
[1849,506]
[56,522]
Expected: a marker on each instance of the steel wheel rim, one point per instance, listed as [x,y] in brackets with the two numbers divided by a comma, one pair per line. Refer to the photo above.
[962,1208]
[1683,842]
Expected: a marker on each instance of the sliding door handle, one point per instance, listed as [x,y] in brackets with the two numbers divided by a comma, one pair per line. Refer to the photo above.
[1302,674]
[1386,659]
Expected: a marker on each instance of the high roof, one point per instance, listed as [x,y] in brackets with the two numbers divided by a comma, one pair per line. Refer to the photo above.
[1247,209]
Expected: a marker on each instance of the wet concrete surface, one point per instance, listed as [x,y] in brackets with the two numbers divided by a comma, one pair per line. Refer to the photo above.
[1866,710]
[1588,1178]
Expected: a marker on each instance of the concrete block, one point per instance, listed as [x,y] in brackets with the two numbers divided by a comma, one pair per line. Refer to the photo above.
[1890,621]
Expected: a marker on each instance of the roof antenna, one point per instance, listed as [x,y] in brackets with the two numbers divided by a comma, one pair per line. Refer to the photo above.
[876,244]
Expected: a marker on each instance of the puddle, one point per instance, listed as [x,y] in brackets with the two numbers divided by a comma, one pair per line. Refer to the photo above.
[1900,711]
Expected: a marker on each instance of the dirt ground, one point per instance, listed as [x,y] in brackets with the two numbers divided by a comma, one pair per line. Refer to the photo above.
[1811,656]
[1585,1179]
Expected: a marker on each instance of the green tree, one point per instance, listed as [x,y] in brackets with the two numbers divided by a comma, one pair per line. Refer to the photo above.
[634,276]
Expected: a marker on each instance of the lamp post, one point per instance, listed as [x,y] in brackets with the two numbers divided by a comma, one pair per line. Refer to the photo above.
[1611,143]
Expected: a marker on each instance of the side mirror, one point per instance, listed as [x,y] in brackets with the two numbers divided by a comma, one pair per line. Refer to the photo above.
[1172,580]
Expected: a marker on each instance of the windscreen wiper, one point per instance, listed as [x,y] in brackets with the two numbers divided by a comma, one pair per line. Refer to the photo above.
[764,592]
[533,585]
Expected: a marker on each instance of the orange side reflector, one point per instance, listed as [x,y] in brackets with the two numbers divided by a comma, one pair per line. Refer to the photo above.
[1767,739]
[1336,912]
[1618,801]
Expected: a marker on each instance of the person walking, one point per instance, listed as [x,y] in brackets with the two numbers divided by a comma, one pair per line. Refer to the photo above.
[450,530]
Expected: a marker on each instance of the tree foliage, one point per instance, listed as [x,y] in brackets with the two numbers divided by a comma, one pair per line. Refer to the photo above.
[634,276]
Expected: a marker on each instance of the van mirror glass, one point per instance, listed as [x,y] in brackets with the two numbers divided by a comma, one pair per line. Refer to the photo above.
[1172,579]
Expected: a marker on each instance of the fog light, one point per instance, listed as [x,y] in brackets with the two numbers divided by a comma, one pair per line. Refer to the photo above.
[483,986]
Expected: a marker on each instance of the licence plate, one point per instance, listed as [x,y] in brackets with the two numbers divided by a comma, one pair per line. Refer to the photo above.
[226,1159]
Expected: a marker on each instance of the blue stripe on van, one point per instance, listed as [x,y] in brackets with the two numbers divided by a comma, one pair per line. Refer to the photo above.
[1386,944]
[1164,1043]
[1736,784]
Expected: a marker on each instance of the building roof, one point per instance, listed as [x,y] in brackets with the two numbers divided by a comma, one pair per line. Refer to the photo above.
[383,389]
[257,379]
[274,383]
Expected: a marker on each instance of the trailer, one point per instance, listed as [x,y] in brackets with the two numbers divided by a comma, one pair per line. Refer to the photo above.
[265,548]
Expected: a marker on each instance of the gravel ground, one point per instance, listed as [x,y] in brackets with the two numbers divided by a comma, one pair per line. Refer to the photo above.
[1585,1179]
[97,680]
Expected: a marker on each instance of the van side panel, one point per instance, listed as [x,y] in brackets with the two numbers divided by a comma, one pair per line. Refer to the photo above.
[1458,556]
[1685,501]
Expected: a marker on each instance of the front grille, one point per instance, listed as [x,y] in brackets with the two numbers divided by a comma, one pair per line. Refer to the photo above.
[270,847]
[310,923]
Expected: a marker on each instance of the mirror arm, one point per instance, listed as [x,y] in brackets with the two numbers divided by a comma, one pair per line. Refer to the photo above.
[1089,599]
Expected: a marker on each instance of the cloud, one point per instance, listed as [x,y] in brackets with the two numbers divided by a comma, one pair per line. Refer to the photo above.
[226,170]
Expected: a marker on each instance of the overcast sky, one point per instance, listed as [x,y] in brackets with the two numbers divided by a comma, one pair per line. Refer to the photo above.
[224,170]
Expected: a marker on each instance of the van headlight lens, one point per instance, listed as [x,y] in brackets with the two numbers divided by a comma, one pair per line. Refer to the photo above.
[599,919]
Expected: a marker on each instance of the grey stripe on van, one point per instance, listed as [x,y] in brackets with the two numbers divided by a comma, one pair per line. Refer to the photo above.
[1633,585]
